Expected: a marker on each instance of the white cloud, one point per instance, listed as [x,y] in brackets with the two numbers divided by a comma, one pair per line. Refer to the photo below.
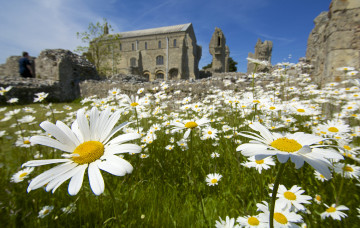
[35,25]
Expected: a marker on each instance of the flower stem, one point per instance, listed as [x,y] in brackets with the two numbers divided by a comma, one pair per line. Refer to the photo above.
[274,193]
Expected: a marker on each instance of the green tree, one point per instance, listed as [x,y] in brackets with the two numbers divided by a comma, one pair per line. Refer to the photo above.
[232,65]
[207,66]
[100,47]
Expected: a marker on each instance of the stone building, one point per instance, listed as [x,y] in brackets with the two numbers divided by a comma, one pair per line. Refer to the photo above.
[219,51]
[335,41]
[263,51]
[169,53]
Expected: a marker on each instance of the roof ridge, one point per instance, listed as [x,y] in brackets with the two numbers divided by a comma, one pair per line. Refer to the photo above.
[153,31]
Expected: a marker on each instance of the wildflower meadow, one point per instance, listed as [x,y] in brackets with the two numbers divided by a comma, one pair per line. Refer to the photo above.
[284,152]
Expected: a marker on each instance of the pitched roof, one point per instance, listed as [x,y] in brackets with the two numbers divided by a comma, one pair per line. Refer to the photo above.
[155,31]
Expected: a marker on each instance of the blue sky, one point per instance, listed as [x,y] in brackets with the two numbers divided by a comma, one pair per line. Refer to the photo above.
[35,25]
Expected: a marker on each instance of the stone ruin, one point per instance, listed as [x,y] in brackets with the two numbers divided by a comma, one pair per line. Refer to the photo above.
[219,51]
[335,41]
[263,51]
[57,71]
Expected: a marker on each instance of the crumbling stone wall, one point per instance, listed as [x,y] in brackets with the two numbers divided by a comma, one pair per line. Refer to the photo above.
[11,66]
[57,71]
[335,41]
[263,51]
[219,51]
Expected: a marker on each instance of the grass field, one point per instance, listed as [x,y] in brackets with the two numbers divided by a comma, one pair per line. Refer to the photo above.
[183,142]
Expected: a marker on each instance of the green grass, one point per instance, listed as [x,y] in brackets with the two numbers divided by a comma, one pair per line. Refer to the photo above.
[167,189]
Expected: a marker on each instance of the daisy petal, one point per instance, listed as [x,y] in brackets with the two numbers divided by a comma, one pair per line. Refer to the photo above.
[95,178]
[77,180]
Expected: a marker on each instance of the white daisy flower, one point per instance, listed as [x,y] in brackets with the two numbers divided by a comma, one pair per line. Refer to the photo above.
[292,197]
[215,155]
[40,96]
[21,175]
[299,147]
[282,217]
[259,164]
[320,177]
[188,125]
[334,212]
[251,221]
[45,211]
[212,179]
[87,144]
[209,133]
[227,223]
[347,170]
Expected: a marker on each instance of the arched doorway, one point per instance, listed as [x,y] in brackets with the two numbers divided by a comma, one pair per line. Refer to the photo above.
[173,74]
[160,75]
[146,75]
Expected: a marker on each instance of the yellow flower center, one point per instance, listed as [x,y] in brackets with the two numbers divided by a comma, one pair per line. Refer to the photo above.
[300,110]
[134,104]
[290,196]
[26,142]
[322,176]
[259,161]
[191,125]
[280,218]
[23,175]
[349,107]
[256,101]
[253,221]
[286,145]
[347,147]
[46,212]
[348,169]
[214,181]
[272,108]
[333,129]
[331,209]
[88,152]
[318,198]
[209,132]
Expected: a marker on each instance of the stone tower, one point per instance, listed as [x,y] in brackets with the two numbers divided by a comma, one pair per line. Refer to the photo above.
[219,51]
[335,41]
[263,51]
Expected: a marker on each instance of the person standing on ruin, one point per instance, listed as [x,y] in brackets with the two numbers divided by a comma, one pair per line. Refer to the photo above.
[25,69]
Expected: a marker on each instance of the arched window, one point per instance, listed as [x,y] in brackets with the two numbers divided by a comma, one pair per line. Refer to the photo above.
[145,45]
[159,44]
[160,75]
[133,62]
[160,60]
[174,42]
[132,47]
[219,41]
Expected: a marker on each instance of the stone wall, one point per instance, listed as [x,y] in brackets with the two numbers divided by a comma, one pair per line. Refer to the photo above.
[335,41]
[220,52]
[263,51]
[57,71]
[11,66]
[25,88]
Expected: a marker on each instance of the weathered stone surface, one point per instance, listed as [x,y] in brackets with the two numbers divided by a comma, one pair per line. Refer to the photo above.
[158,53]
[65,67]
[263,51]
[11,67]
[57,71]
[335,41]
[219,51]
[25,88]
